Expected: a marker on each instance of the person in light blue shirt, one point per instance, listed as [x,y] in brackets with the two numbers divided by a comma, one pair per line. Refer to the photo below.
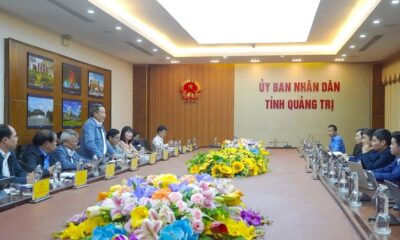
[94,140]
[392,171]
[336,144]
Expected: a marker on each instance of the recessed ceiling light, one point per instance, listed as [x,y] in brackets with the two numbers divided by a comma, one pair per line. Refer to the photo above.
[174,61]
[363,35]
[395,1]
[352,46]
[339,59]
[296,60]
[282,56]
[90,11]
[258,24]
[376,21]
[225,57]
[255,60]
[344,55]
[118,28]
[139,40]
[168,58]
[214,61]
[155,50]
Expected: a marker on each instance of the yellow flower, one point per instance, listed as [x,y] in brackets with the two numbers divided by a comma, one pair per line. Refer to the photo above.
[139,214]
[215,171]
[238,167]
[91,223]
[236,229]
[194,169]
[164,180]
[72,232]
[226,170]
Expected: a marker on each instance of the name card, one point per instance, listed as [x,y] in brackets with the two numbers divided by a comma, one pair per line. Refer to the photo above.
[110,170]
[80,178]
[176,151]
[134,164]
[165,154]
[184,149]
[153,158]
[41,190]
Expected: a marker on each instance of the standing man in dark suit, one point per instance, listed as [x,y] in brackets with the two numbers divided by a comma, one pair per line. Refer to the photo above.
[43,144]
[93,140]
[9,166]
[65,152]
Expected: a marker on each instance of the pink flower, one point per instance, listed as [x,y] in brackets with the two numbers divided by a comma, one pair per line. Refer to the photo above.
[149,230]
[209,195]
[209,204]
[196,213]
[175,196]
[182,206]
[198,226]
[204,185]
[197,198]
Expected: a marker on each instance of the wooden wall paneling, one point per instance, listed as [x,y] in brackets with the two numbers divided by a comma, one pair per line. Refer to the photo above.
[140,99]
[211,116]
[378,97]
[16,89]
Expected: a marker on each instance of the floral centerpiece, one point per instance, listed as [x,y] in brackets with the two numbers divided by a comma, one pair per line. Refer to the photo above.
[166,207]
[230,162]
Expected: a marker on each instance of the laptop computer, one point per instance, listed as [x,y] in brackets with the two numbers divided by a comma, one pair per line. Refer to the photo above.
[362,176]
[394,191]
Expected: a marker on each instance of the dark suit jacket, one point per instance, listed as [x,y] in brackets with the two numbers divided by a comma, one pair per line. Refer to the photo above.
[15,169]
[67,162]
[375,160]
[32,156]
[357,151]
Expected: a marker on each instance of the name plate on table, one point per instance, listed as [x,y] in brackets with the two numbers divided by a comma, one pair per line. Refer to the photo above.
[190,147]
[184,149]
[80,180]
[176,151]
[110,170]
[153,158]
[41,190]
[165,154]
[134,164]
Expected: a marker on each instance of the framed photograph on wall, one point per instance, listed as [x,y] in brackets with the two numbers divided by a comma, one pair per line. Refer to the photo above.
[71,113]
[39,111]
[71,79]
[96,84]
[40,72]
[90,106]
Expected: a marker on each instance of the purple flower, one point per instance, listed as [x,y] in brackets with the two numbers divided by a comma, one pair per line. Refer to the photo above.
[178,187]
[78,218]
[204,177]
[144,191]
[251,218]
[133,237]
[135,181]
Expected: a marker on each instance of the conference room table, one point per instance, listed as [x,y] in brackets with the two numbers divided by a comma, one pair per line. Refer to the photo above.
[299,207]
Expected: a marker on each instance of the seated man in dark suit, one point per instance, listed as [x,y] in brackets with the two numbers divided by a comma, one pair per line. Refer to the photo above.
[9,166]
[65,152]
[39,153]
[94,140]
[380,155]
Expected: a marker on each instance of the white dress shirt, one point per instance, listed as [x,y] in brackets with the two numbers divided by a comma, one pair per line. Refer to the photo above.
[158,142]
[6,169]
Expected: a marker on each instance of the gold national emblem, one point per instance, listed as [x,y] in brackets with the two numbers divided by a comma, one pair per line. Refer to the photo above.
[190,90]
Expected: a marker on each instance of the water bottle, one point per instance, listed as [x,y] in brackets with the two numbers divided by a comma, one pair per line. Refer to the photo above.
[381,225]
[38,173]
[180,146]
[57,175]
[194,141]
[95,169]
[79,165]
[355,195]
